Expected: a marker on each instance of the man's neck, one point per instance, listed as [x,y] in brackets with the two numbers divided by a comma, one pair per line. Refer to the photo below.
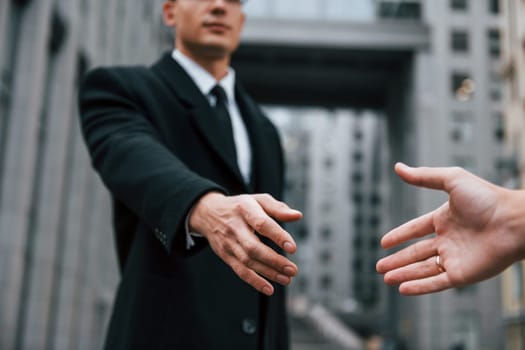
[216,66]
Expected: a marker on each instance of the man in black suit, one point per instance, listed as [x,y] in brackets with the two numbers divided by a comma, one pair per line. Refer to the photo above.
[182,149]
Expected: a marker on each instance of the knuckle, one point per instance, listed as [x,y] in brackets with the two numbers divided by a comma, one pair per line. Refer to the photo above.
[250,247]
[259,223]
[246,261]
[227,248]
[237,268]
[229,227]
[244,274]
[266,196]
[282,205]
[457,170]
[242,205]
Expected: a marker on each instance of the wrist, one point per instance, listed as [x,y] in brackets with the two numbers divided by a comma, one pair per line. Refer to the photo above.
[514,221]
[196,219]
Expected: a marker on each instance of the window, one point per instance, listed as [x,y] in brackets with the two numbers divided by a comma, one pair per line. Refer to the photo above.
[358,221]
[399,10]
[358,264]
[494,7]
[499,127]
[358,156]
[325,282]
[325,257]
[328,163]
[464,331]
[374,221]
[357,242]
[374,244]
[495,87]
[326,232]
[494,43]
[357,178]
[375,199]
[302,233]
[460,5]
[461,130]
[459,41]
[462,87]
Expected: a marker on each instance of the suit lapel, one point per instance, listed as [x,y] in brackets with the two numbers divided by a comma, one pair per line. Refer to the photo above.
[201,113]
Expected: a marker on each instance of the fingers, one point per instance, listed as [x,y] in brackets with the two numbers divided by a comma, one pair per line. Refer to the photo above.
[252,259]
[256,216]
[277,209]
[418,270]
[249,276]
[412,254]
[419,278]
[229,224]
[434,178]
[264,260]
[415,228]
[427,285]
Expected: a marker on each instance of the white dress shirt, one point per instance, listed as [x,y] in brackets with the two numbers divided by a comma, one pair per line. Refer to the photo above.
[205,82]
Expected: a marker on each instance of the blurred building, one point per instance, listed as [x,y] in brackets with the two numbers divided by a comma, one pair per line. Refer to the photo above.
[439,89]
[414,81]
[327,62]
[58,269]
[337,163]
[458,100]
[513,35]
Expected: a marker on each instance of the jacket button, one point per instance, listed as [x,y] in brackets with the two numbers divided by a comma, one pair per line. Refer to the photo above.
[249,326]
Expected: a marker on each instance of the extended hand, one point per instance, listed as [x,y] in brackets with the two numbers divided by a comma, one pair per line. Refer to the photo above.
[475,233]
[230,223]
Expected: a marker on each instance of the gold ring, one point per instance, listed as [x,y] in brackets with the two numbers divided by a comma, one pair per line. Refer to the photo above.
[440,267]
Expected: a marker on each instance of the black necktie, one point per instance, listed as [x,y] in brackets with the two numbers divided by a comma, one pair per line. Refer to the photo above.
[221,112]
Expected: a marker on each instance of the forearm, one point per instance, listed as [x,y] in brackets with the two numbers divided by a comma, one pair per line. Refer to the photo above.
[133,162]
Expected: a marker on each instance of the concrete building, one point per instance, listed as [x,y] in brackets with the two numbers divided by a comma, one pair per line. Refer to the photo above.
[427,67]
[335,165]
[459,108]
[58,268]
[513,35]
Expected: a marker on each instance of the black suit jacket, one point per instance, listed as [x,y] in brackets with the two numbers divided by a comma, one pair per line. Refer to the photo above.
[153,140]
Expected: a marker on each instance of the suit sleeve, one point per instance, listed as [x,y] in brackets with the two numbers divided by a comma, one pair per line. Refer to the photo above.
[132,161]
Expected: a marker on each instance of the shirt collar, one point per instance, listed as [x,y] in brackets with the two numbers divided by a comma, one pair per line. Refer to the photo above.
[203,79]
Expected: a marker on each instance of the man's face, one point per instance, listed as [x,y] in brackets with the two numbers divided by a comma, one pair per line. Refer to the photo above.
[205,28]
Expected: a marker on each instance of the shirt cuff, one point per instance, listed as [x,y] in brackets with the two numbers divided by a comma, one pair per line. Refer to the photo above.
[190,242]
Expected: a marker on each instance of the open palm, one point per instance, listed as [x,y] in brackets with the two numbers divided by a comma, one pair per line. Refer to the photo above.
[470,234]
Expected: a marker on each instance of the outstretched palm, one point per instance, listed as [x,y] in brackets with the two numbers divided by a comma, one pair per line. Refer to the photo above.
[468,237]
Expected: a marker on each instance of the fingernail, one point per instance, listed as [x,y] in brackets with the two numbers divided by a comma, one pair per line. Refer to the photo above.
[288,246]
[282,279]
[267,290]
[290,271]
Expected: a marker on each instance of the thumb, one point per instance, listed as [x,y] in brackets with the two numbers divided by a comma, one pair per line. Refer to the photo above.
[433,178]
